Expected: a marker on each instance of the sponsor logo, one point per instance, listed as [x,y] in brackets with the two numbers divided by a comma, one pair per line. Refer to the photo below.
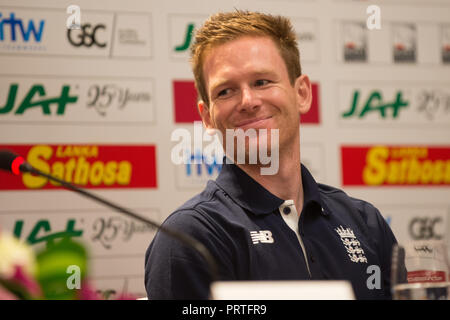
[424,228]
[424,250]
[445,43]
[185,103]
[104,35]
[106,233]
[395,166]
[374,103]
[411,221]
[181,34]
[434,104]
[130,36]
[306,31]
[42,232]
[198,169]
[19,30]
[404,42]
[82,100]
[89,166]
[407,104]
[305,36]
[108,230]
[203,165]
[105,97]
[133,36]
[20,34]
[263,236]
[422,276]
[33,100]
[86,36]
[354,41]
[184,45]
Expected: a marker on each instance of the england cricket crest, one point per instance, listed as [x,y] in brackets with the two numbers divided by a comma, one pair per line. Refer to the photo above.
[351,244]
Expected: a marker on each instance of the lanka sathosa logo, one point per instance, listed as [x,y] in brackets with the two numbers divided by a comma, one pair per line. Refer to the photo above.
[395,165]
[88,166]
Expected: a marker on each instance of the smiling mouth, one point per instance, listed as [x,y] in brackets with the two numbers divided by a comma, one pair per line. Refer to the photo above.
[256,122]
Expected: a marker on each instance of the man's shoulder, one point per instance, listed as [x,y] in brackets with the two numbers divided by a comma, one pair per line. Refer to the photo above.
[335,198]
[361,212]
[199,206]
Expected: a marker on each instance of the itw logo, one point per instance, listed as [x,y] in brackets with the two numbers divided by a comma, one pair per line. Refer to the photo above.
[11,27]
[31,100]
[198,163]
[42,232]
[374,103]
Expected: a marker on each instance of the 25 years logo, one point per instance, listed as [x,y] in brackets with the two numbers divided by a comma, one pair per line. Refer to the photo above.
[108,230]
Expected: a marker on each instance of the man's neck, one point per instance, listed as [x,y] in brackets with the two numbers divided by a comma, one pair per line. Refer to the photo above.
[287,183]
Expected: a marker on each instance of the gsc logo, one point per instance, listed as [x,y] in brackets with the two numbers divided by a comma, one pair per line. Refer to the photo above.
[424,228]
[86,36]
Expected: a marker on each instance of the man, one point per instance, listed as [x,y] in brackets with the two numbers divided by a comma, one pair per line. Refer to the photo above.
[281,226]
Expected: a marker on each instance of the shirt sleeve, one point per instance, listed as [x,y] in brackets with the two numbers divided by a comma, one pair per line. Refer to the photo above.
[174,270]
[385,240]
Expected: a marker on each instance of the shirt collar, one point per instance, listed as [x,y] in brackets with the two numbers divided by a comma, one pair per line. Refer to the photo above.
[249,194]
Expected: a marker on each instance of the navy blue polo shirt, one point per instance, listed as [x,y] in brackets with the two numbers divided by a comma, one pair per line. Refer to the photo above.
[242,225]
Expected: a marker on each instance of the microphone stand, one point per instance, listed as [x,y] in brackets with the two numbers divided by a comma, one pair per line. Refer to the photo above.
[184,238]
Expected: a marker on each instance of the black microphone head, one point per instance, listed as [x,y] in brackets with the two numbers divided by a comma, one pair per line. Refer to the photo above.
[7,158]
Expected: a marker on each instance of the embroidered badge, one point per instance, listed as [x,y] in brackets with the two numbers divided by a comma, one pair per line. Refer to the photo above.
[263,236]
[351,244]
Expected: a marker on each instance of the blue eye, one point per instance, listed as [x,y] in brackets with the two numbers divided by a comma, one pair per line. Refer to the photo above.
[222,92]
[261,82]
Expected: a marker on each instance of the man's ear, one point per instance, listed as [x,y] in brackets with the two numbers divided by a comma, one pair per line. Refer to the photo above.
[203,109]
[304,93]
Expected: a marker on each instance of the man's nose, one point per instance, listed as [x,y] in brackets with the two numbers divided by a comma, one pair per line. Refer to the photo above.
[249,99]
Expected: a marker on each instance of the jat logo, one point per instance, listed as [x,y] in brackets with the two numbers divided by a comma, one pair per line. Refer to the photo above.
[13,29]
[89,166]
[396,165]
[42,232]
[37,99]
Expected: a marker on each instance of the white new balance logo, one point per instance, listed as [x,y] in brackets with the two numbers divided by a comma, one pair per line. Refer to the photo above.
[263,236]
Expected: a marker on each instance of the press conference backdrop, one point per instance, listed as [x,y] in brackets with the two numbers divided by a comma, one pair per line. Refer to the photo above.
[97,106]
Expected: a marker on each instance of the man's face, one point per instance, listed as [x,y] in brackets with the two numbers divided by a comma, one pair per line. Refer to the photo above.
[248,87]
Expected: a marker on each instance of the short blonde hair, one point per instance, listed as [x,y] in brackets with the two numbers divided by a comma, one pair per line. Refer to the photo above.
[224,27]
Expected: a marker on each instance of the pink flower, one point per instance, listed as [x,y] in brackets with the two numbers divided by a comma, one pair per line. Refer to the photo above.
[29,284]
[87,292]
[127,296]
[6,295]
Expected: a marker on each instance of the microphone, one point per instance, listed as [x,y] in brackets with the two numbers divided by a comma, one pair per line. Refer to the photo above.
[16,164]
